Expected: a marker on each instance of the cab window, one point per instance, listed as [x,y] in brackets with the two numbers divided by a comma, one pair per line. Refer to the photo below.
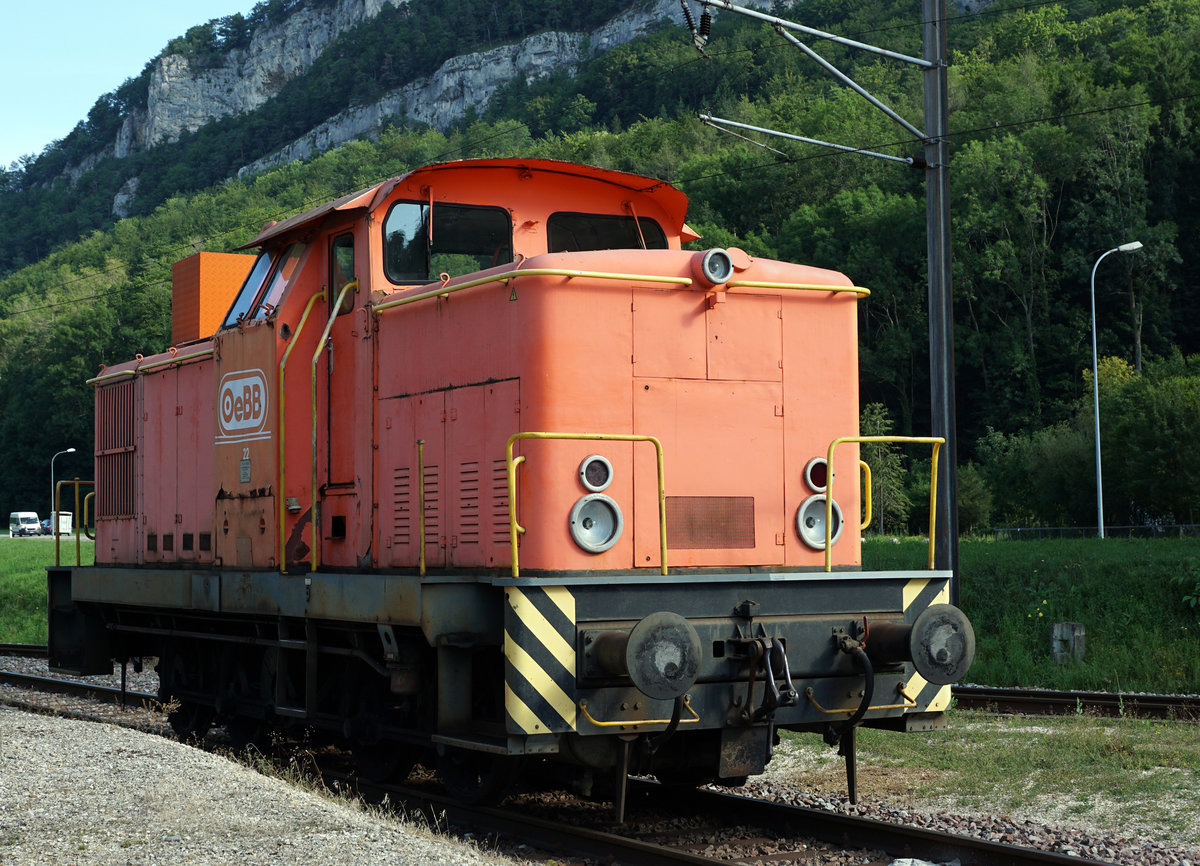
[341,270]
[465,239]
[576,232]
[250,289]
[288,268]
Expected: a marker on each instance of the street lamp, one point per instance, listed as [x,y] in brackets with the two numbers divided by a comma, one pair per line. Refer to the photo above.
[1130,247]
[53,510]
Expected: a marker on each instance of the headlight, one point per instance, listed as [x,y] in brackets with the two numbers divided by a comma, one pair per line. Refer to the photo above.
[596,522]
[810,522]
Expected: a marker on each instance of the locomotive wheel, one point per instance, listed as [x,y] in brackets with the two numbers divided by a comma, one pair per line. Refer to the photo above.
[376,758]
[243,688]
[245,733]
[384,761]
[477,778]
[187,718]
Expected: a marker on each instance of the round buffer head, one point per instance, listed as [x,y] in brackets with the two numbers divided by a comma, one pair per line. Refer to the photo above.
[663,655]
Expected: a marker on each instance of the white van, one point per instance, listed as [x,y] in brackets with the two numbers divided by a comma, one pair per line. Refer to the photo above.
[24,523]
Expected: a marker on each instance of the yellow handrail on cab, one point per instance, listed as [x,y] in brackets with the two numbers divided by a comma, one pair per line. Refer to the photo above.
[935,441]
[444,289]
[292,342]
[511,463]
[866,471]
[315,516]
[860,291]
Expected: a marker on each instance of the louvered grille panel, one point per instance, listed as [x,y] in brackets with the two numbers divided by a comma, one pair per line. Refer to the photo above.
[468,503]
[710,522]
[499,503]
[433,506]
[402,505]
[115,444]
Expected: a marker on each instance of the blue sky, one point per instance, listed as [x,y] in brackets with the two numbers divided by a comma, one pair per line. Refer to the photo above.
[60,56]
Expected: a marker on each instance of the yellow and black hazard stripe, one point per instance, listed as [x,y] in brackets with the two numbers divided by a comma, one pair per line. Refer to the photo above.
[539,660]
[919,594]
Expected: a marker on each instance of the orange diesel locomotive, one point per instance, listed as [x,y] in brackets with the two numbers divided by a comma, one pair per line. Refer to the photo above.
[481,464]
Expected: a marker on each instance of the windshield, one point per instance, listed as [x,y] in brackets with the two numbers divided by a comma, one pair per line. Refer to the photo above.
[282,277]
[576,232]
[249,291]
[465,239]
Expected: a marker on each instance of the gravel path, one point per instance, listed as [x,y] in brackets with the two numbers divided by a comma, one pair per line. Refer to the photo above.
[85,793]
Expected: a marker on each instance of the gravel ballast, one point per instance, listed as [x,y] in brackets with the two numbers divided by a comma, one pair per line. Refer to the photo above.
[83,792]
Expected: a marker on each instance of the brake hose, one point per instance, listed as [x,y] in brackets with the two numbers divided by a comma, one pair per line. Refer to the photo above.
[834,735]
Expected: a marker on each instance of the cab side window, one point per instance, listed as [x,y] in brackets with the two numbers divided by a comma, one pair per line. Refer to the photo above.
[341,270]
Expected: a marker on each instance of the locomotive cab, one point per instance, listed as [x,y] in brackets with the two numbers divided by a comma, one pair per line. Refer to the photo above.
[480,465]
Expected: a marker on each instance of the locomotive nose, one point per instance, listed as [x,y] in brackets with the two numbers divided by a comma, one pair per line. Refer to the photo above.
[661,654]
[940,644]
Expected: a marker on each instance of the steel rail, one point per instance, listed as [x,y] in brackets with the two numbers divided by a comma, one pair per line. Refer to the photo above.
[856,832]
[75,688]
[1048,703]
[544,833]
[25,650]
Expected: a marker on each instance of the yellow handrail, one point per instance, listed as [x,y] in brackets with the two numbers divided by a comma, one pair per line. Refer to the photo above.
[909,703]
[866,471]
[166,362]
[639,723]
[76,484]
[512,462]
[294,340]
[935,441]
[315,516]
[443,290]
[87,514]
[421,505]
[861,291]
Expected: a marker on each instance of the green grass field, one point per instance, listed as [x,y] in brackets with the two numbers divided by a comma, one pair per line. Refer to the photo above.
[1141,635]
[23,564]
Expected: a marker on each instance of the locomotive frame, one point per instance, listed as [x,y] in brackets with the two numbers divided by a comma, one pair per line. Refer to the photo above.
[661,578]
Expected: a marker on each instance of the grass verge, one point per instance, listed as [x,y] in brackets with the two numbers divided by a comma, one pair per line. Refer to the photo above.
[1141,633]
[23,564]
[1122,776]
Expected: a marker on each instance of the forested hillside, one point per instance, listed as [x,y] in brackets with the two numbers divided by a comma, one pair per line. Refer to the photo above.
[1072,132]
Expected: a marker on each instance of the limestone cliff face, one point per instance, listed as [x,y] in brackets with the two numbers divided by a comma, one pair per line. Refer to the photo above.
[184,98]
[184,95]
[470,80]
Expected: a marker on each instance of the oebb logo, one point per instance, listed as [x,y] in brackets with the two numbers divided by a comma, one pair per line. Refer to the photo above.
[242,404]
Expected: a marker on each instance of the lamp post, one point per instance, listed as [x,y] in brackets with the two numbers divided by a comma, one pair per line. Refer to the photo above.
[1123,248]
[53,509]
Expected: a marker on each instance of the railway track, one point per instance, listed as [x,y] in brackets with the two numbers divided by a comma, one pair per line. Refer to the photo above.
[745,827]
[76,688]
[1041,702]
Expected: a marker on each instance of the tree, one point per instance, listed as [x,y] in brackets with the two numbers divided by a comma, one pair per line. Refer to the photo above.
[890,503]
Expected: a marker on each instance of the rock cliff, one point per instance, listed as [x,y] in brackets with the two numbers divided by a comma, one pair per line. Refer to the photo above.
[469,81]
[183,97]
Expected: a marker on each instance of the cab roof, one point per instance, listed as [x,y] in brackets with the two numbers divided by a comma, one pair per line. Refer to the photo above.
[671,200]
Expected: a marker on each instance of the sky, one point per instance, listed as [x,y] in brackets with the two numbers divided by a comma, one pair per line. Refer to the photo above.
[60,56]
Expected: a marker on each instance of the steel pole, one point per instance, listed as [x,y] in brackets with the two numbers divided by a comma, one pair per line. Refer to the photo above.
[941,300]
[53,504]
[1123,248]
